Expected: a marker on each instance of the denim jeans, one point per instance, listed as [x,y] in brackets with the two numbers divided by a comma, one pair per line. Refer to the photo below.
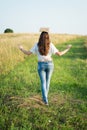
[45,70]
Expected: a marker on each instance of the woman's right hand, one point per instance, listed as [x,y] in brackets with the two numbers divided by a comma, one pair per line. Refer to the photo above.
[69,46]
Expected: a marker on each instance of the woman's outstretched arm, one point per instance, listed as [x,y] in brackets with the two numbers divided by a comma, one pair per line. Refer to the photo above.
[60,53]
[25,51]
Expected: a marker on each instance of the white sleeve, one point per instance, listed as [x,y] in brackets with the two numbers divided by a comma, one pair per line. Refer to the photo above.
[53,49]
[34,49]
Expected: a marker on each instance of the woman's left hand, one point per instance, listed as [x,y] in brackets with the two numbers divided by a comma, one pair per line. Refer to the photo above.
[21,47]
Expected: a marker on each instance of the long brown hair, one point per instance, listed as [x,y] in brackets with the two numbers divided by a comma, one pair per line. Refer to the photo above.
[44,43]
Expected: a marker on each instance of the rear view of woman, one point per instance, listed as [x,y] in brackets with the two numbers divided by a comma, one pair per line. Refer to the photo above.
[44,50]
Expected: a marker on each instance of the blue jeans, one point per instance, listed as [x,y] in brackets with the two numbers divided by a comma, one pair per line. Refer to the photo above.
[45,70]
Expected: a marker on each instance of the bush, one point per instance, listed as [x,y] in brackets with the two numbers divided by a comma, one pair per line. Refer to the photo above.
[8,30]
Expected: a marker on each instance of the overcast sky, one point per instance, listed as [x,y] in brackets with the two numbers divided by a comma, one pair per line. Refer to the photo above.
[61,16]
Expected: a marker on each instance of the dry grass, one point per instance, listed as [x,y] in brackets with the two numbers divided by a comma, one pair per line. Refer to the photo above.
[61,38]
[34,101]
[10,54]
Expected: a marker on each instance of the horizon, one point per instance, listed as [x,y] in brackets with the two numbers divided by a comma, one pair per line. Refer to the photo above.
[38,33]
[62,17]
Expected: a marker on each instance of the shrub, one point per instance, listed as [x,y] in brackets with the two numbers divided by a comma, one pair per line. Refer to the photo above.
[8,30]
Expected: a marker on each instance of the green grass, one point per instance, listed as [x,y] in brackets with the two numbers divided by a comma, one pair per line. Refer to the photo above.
[20,93]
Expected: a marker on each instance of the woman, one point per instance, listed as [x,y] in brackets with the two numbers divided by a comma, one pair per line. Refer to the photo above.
[44,50]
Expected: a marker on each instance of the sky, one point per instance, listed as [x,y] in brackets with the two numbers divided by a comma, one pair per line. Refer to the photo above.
[28,16]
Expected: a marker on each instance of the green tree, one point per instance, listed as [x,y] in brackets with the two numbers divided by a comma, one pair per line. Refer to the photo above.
[8,30]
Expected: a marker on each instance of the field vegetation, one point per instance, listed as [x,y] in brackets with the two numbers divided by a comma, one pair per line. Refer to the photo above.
[21,106]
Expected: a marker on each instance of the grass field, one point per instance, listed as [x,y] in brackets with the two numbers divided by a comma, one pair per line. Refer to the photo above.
[21,107]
